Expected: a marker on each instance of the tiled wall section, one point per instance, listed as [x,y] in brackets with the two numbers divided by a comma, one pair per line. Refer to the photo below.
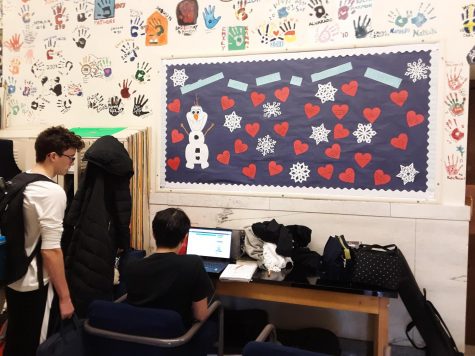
[433,238]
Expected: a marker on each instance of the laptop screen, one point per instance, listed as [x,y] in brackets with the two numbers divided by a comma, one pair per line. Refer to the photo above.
[209,242]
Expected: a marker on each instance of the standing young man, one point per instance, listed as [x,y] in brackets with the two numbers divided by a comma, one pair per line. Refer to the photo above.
[29,303]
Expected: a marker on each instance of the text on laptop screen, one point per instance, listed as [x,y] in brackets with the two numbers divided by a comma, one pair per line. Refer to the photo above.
[209,242]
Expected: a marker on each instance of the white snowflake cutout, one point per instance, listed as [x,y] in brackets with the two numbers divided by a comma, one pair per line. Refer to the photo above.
[232,121]
[326,92]
[320,134]
[364,133]
[407,173]
[179,77]
[417,70]
[299,172]
[265,145]
[271,109]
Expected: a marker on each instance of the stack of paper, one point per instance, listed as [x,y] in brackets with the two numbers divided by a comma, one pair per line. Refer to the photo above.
[240,272]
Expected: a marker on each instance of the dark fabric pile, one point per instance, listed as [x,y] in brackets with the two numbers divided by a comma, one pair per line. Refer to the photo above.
[291,241]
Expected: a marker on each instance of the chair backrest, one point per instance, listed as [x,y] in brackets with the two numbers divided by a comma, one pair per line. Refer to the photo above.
[256,348]
[130,320]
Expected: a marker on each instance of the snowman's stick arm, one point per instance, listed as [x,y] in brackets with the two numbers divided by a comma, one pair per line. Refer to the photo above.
[184,129]
[209,128]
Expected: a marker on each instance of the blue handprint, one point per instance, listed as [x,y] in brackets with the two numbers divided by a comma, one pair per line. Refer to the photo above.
[208,16]
[423,15]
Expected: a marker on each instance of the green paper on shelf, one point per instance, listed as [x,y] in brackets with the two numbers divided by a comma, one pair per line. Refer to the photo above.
[96,131]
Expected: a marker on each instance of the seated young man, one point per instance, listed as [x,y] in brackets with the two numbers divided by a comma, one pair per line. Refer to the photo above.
[167,280]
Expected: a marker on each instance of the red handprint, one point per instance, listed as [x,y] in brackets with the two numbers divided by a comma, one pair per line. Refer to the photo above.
[14,43]
[58,12]
[453,165]
[454,79]
[125,89]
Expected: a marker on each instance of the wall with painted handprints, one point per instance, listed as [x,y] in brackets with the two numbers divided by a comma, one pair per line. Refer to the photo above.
[97,62]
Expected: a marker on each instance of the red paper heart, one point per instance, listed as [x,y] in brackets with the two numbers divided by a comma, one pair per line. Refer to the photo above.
[174,105]
[311,110]
[223,157]
[282,128]
[226,102]
[351,88]
[249,171]
[340,110]
[333,151]
[414,119]
[400,141]
[399,97]
[257,98]
[362,159]
[173,163]
[380,177]
[275,168]
[282,94]
[348,176]
[339,131]
[371,114]
[239,146]
[177,136]
[300,147]
[252,129]
[326,171]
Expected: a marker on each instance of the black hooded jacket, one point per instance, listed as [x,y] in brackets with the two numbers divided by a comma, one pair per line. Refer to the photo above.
[97,223]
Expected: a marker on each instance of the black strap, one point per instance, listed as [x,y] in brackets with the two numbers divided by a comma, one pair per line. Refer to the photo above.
[387,248]
[409,327]
[436,312]
[39,262]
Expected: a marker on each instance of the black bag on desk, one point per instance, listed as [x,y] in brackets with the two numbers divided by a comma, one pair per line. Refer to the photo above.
[67,342]
[338,259]
[426,318]
[377,266]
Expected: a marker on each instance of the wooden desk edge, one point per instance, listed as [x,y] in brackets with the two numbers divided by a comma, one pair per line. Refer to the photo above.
[303,296]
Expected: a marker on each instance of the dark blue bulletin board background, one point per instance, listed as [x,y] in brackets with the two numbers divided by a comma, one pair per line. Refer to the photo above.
[399,114]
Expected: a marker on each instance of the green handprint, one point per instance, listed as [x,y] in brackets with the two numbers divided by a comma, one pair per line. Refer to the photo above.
[237,38]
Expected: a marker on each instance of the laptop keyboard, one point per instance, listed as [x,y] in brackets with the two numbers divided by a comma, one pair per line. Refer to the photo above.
[214,267]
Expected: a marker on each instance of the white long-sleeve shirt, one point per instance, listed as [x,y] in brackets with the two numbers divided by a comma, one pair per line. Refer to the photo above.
[43,212]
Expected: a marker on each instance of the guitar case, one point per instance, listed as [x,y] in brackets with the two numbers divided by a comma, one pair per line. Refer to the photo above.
[425,317]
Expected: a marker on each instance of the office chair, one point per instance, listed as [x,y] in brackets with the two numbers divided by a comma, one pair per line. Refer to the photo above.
[116,329]
[260,347]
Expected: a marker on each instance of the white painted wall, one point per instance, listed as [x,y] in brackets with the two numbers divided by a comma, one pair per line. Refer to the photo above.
[433,235]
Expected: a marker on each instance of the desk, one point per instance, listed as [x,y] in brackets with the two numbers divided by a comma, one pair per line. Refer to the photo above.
[319,295]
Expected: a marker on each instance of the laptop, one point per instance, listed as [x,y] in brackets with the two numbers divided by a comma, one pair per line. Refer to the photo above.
[212,245]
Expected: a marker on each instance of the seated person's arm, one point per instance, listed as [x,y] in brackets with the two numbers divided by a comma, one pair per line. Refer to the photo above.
[200,309]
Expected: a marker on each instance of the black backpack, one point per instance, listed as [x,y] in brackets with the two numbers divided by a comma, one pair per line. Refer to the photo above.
[338,259]
[14,261]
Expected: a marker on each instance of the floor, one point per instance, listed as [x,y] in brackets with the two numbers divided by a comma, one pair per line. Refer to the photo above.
[469,350]
[351,347]
[361,348]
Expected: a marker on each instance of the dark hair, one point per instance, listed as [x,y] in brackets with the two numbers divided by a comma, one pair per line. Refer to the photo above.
[169,227]
[56,139]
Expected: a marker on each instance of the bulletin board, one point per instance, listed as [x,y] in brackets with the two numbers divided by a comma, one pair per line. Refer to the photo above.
[348,122]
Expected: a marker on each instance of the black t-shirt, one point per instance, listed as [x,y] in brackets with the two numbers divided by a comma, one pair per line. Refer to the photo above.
[168,281]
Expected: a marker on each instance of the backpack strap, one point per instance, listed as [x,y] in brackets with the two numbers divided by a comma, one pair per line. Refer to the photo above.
[409,327]
[39,262]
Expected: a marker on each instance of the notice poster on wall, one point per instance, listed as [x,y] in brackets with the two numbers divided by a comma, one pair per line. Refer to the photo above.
[348,122]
